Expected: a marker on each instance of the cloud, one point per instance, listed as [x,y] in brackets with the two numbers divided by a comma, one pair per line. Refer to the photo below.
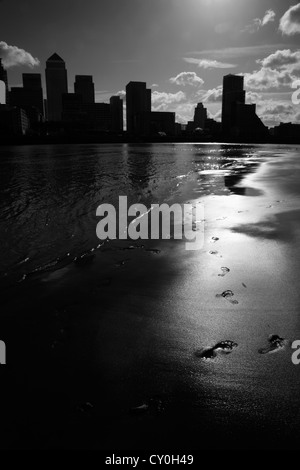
[258,23]
[290,22]
[269,17]
[121,94]
[266,78]
[277,70]
[13,55]
[237,52]
[214,95]
[208,64]
[253,97]
[162,101]
[187,78]
[282,59]
[273,112]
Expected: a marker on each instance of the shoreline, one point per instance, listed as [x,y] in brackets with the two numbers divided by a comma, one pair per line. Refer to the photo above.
[113,337]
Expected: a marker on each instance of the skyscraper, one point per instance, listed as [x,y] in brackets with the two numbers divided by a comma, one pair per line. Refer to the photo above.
[116,112]
[200,116]
[32,85]
[239,120]
[233,93]
[84,86]
[57,84]
[3,77]
[138,103]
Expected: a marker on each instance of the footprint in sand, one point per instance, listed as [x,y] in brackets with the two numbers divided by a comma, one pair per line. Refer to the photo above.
[215,253]
[223,347]
[228,294]
[224,272]
[121,263]
[275,344]
[154,405]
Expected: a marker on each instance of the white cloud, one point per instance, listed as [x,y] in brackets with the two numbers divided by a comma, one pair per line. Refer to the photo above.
[267,78]
[229,53]
[279,69]
[290,22]
[208,64]
[258,23]
[214,95]
[269,17]
[283,59]
[187,78]
[162,101]
[272,112]
[13,55]
[121,94]
[253,97]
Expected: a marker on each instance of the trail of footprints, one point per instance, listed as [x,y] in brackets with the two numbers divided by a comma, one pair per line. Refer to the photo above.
[275,342]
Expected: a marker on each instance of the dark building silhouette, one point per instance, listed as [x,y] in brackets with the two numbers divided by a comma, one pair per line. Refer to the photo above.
[32,85]
[56,84]
[85,87]
[249,126]
[200,116]
[161,122]
[101,117]
[29,98]
[85,117]
[199,121]
[138,103]
[14,122]
[287,132]
[72,108]
[3,77]
[116,112]
[233,93]
[239,120]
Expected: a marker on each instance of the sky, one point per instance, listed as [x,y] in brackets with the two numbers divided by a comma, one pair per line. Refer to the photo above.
[181,48]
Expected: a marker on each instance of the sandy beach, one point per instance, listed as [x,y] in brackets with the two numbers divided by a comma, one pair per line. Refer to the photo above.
[108,354]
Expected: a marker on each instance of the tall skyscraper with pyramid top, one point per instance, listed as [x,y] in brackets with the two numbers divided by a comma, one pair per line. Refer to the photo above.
[56,84]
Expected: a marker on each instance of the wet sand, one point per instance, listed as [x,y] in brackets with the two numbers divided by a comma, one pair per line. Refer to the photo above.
[125,330]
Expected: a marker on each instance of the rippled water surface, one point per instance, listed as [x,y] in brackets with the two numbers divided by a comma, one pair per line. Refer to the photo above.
[49,194]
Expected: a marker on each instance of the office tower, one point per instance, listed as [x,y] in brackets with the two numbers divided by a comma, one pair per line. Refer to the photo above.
[233,93]
[116,113]
[13,122]
[161,122]
[29,98]
[72,108]
[3,77]
[32,85]
[249,126]
[200,116]
[84,86]
[138,103]
[56,84]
